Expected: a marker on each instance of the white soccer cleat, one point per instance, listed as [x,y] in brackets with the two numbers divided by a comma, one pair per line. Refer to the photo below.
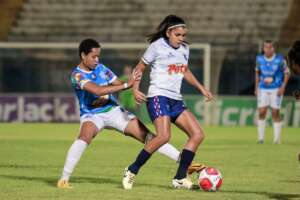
[182,183]
[128,179]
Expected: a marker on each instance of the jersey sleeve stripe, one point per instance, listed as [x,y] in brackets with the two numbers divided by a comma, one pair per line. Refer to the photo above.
[113,79]
[145,61]
[83,82]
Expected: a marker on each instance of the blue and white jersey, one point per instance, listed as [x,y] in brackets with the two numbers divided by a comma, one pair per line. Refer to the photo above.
[90,103]
[167,67]
[271,71]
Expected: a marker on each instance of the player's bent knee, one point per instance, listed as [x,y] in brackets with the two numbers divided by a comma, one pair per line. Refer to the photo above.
[262,115]
[163,139]
[275,112]
[198,137]
[87,139]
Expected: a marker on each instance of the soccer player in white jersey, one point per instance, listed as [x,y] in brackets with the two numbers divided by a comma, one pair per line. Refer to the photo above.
[94,84]
[271,78]
[168,56]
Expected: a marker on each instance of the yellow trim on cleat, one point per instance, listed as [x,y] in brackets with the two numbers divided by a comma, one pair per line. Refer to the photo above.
[195,167]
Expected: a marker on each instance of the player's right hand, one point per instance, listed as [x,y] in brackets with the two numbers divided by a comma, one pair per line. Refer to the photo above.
[139,97]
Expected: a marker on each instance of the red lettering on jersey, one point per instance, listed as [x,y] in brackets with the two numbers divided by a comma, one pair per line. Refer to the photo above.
[173,68]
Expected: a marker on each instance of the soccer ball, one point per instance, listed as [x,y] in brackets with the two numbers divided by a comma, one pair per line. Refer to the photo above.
[210,179]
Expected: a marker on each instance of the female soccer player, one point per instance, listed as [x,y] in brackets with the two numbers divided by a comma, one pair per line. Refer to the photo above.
[168,56]
[94,84]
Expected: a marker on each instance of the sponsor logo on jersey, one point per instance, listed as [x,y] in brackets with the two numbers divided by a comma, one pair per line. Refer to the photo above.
[177,68]
[101,101]
[170,55]
[78,76]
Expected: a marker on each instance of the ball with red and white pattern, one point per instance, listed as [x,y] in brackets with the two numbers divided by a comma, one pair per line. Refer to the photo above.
[210,179]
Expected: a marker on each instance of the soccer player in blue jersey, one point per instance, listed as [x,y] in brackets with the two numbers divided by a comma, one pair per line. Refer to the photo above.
[168,55]
[271,78]
[94,84]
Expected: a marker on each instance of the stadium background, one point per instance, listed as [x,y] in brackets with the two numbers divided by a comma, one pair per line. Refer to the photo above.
[34,82]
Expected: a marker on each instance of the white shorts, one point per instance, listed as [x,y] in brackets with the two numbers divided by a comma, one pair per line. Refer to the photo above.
[117,118]
[268,97]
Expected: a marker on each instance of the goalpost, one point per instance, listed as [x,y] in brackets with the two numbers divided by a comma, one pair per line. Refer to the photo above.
[206,48]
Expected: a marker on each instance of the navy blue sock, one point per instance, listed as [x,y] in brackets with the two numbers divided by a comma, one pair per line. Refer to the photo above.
[140,161]
[187,157]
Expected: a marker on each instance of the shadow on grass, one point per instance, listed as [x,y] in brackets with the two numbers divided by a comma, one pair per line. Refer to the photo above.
[18,166]
[270,195]
[51,181]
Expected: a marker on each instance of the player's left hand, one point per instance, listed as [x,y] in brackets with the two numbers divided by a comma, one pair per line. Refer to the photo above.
[135,76]
[208,95]
[281,91]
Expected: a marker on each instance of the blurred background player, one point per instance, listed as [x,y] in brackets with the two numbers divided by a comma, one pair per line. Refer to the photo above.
[271,77]
[294,57]
[94,84]
[126,97]
[168,56]
[294,64]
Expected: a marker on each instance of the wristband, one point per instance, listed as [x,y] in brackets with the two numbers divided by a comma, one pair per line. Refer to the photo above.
[125,85]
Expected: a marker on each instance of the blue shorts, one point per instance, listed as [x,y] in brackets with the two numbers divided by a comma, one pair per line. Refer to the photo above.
[160,106]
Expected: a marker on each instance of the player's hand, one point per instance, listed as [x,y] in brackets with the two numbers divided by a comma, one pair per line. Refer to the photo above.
[208,95]
[255,91]
[139,97]
[135,76]
[281,91]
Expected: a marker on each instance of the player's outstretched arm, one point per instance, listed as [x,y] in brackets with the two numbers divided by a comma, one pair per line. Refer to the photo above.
[191,79]
[115,87]
[138,95]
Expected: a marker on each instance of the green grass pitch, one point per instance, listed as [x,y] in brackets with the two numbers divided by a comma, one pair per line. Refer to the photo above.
[32,157]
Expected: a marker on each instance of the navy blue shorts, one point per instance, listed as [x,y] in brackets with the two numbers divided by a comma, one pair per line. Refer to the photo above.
[160,106]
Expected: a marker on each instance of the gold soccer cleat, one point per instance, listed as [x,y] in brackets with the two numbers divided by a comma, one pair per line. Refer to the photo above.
[195,167]
[64,184]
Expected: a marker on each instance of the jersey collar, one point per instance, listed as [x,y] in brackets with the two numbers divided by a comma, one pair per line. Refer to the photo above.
[270,59]
[88,72]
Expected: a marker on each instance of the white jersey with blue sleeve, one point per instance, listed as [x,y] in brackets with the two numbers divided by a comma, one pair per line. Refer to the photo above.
[271,71]
[168,65]
[90,103]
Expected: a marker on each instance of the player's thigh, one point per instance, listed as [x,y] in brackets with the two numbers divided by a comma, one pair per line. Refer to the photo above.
[189,124]
[263,99]
[276,100]
[118,119]
[88,130]
[163,127]
[135,128]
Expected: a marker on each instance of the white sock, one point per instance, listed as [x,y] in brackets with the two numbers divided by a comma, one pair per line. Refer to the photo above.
[167,149]
[73,157]
[261,126]
[277,132]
